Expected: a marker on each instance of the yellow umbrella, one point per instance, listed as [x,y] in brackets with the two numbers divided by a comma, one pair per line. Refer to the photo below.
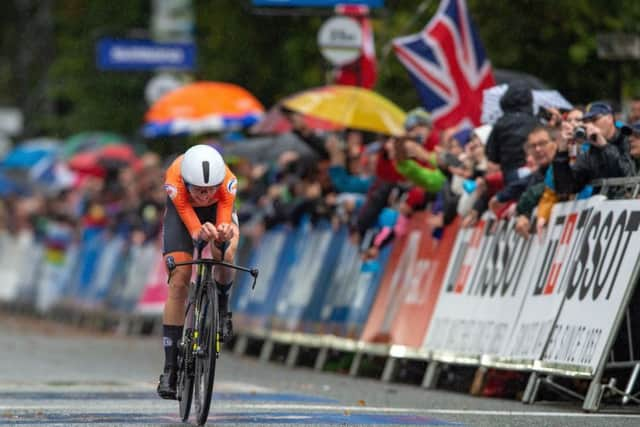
[350,106]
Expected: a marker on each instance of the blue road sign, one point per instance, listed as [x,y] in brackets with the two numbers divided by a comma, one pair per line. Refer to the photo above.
[144,55]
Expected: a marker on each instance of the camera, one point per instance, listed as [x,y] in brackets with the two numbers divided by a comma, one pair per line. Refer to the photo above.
[580,132]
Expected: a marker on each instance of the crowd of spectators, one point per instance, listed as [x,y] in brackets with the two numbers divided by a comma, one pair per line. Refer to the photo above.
[519,167]
[373,184]
[126,200]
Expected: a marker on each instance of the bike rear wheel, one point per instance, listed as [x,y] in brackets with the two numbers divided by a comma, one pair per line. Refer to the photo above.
[209,347]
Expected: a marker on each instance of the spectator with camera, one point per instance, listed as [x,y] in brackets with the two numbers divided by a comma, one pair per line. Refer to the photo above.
[607,155]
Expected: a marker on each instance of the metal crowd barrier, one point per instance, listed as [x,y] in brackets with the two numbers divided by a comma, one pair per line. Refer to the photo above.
[553,305]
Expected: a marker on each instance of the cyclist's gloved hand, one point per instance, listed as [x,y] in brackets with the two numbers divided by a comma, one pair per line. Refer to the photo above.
[208,232]
[225,232]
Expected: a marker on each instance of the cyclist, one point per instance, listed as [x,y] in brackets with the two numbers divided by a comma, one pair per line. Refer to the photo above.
[201,192]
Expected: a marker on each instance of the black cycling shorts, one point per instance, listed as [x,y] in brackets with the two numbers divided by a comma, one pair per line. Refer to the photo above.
[175,236]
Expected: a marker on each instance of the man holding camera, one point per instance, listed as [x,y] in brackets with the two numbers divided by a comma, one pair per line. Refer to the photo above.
[607,156]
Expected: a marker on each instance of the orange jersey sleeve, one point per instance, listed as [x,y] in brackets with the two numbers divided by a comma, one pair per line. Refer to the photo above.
[179,194]
[226,196]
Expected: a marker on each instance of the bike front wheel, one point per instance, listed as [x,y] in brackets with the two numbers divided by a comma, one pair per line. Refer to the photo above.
[185,375]
[208,343]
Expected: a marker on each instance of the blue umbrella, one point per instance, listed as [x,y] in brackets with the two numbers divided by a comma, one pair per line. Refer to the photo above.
[29,153]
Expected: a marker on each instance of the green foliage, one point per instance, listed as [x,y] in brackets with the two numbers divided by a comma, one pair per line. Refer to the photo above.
[274,56]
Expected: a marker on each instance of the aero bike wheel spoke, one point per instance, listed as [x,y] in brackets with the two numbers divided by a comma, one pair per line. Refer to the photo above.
[206,365]
[200,345]
[185,376]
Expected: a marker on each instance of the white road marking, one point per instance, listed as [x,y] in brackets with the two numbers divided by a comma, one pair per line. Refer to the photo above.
[223,406]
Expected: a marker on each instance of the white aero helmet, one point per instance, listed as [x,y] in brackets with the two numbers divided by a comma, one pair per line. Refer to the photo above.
[203,166]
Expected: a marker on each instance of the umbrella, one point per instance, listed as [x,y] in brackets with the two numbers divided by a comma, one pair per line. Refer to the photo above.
[276,122]
[29,153]
[267,149]
[86,141]
[97,162]
[350,106]
[202,107]
[506,76]
[491,110]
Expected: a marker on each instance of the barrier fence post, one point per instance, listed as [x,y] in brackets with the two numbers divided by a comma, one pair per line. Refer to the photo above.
[355,364]
[321,359]
[266,350]
[389,369]
[292,356]
[531,391]
[430,380]
[241,345]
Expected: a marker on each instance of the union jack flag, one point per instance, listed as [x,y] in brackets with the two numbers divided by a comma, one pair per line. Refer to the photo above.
[448,65]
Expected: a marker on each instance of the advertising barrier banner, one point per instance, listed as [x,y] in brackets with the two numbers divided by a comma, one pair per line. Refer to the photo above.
[412,261]
[424,274]
[91,245]
[16,258]
[454,334]
[315,252]
[352,289]
[545,291]
[156,289]
[603,270]
[272,256]
[109,270]
[58,264]
[139,265]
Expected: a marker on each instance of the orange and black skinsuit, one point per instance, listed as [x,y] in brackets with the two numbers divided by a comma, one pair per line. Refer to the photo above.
[183,217]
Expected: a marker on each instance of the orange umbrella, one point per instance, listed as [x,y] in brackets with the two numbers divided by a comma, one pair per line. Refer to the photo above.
[202,107]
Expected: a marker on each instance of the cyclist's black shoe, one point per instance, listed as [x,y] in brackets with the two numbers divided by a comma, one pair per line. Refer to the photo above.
[167,385]
[227,327]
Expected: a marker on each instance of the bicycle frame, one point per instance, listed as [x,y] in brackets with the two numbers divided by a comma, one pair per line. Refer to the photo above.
[193,350]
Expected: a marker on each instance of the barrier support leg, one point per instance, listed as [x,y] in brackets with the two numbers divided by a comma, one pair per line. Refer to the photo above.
[389,369]
[355,364]
[479,381]
[430,380]
[631,383]
[241,345]
[292,355]
[594,394]
[321,359]
[266,350]
[531,391]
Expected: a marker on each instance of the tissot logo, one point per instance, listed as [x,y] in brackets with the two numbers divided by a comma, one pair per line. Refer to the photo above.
[601,254]
[503,266]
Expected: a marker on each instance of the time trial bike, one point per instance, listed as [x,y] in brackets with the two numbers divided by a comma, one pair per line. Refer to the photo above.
[199,347]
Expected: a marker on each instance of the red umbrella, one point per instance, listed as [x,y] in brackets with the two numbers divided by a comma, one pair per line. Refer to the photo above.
[98,161]
[275,121]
